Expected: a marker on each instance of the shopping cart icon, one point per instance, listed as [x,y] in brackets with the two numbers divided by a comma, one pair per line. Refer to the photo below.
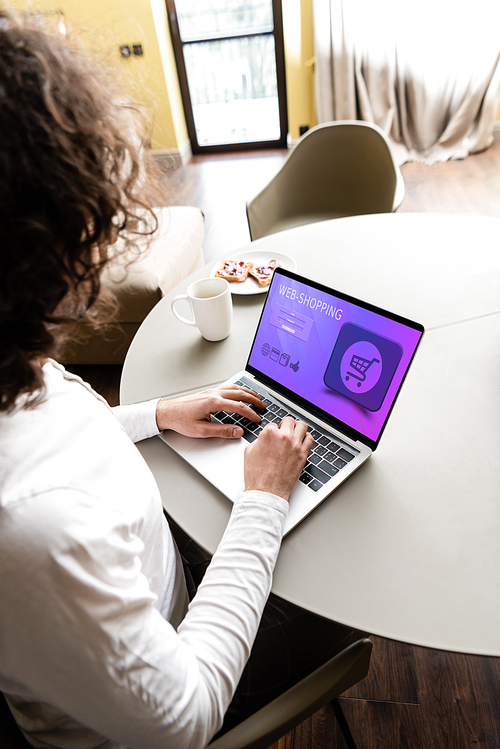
[361,366]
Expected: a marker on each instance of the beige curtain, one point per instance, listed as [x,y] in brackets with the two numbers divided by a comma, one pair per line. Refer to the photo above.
[426,72]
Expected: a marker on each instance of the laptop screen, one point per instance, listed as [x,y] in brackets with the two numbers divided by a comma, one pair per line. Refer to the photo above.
[340,358]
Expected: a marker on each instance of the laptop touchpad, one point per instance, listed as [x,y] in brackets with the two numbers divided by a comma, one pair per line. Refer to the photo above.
[224,468]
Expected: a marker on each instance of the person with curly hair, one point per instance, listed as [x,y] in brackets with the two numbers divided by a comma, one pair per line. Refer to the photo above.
[98,647]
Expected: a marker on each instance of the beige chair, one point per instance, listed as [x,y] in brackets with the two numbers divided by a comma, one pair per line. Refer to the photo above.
[320,688]
[277,718]
[175,252]
[337,169]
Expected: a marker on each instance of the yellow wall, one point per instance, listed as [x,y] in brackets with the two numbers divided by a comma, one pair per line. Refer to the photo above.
[169,70]
[106,24]
[299,53]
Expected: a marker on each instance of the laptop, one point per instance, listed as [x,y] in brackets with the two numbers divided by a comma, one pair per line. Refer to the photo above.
[324,357]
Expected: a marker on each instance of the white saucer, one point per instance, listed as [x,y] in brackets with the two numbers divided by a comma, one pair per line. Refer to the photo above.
[250,286]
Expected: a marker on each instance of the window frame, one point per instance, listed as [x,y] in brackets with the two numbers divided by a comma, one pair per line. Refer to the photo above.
[279,50]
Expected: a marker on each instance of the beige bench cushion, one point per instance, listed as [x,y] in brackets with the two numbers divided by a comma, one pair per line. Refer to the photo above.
[174,252]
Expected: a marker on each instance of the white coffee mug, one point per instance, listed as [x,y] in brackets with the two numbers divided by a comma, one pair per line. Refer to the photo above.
[211,305]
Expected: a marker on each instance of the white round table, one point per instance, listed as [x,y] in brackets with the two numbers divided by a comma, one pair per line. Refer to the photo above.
[408,548]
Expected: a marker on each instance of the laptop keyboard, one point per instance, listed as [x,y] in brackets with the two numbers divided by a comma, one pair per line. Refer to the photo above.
[328,456]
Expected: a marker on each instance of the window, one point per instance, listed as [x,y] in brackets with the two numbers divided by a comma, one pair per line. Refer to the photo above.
[230,62]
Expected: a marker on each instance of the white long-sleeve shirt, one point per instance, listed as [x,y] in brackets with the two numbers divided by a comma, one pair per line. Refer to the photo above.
[96,647]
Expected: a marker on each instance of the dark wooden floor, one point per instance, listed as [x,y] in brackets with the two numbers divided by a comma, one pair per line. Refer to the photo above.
[413,698]
[221,185]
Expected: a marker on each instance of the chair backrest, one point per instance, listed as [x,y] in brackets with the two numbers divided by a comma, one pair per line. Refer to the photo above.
[276,719]
[343,168]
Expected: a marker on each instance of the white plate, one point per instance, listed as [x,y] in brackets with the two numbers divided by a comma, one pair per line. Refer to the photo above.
[250,286]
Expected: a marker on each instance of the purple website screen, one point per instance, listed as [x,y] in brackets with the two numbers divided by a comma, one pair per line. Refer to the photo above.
[344,359]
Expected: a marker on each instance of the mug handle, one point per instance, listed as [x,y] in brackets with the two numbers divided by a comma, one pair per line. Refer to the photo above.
[179,317]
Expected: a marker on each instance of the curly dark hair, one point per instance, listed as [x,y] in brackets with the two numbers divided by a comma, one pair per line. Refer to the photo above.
[71,176]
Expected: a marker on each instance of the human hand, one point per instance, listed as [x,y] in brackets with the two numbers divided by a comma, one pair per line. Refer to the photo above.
[274,461]
[190,415]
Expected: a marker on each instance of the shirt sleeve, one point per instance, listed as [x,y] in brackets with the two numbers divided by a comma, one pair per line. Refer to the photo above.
[138,419]
[93,645]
